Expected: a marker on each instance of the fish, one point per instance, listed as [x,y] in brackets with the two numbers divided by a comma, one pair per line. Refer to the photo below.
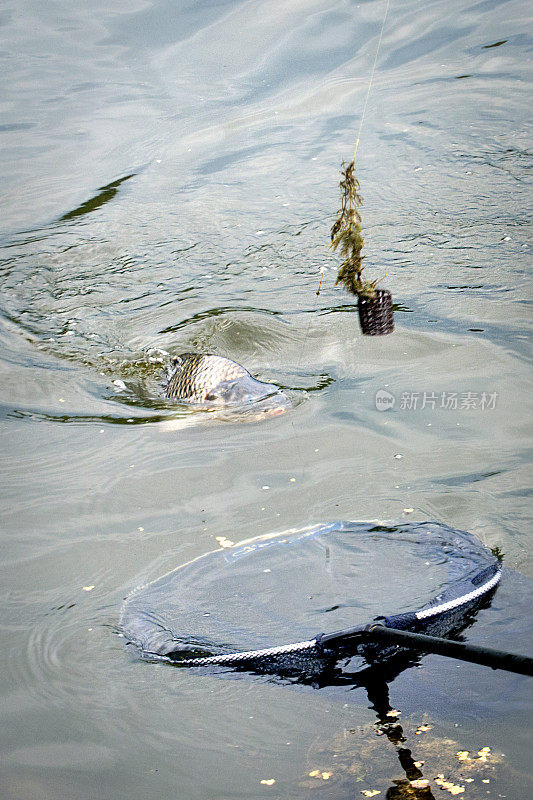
[213,381]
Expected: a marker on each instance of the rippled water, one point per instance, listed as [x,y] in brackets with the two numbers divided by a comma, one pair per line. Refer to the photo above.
[169,178]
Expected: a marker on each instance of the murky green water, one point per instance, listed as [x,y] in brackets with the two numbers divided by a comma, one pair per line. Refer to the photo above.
[169,176]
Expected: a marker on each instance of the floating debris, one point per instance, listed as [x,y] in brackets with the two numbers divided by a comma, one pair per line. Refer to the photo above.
[360,760]
[316,773]
[422,783]
[422,729]
[449,786]
[223,542]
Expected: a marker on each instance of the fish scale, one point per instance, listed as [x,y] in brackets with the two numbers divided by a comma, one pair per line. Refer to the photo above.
[196,374]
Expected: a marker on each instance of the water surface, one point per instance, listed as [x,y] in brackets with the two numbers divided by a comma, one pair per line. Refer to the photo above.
[169,178]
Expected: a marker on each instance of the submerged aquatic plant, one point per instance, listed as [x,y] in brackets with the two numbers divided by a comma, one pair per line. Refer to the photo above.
[498,553]
[347,235]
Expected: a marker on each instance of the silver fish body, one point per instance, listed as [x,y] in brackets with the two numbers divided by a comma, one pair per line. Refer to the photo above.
[215,381]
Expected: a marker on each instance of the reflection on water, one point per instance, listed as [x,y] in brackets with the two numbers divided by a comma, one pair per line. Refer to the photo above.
[169,177]
[105,194]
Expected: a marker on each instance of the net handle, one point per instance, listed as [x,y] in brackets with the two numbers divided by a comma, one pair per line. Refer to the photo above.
[463,651]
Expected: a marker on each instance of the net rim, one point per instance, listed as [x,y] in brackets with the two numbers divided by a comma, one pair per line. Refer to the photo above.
[429,613]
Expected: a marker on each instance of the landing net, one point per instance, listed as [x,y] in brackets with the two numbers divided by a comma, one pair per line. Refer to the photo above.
[264,604]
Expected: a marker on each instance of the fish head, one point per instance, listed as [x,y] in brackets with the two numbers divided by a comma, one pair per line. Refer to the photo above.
[250,398]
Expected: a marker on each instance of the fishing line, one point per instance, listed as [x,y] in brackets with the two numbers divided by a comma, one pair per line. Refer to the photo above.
[365,104]
[371,81]
[361,122]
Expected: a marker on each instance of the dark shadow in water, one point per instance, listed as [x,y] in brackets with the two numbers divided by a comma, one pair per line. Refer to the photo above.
[20,126]
[387,724]
[494,44]
[350,308]
[105,194]
[84,419]
[218,312]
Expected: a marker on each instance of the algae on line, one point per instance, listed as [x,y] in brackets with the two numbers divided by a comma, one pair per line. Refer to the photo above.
[374,305]
[346,233]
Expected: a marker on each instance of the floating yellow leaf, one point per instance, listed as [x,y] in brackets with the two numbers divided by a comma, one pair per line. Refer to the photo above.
[448,785]
[422,729]
[267,781]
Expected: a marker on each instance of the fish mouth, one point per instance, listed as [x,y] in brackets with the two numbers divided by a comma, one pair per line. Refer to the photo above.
[250,410]
[275,412]
[273,405]
[257,414]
